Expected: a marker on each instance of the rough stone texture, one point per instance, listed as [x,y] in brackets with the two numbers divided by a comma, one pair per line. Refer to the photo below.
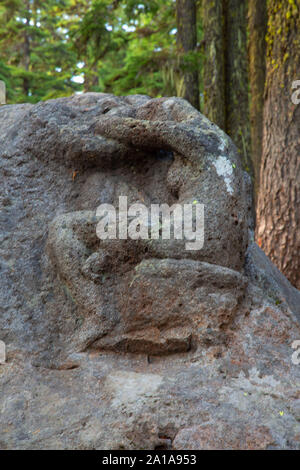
[267,275]
[136,344]
[2,352]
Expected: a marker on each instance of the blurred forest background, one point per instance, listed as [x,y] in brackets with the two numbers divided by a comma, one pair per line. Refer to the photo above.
[237,61]
[53,48]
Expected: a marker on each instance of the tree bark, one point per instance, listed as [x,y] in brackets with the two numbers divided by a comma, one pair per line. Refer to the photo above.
[226,72]
[26,51]
[214,62]
[187,83]
[278,213]
[236,72]
[257,26]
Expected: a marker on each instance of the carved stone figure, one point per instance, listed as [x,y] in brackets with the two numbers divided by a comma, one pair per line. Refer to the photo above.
[130,344]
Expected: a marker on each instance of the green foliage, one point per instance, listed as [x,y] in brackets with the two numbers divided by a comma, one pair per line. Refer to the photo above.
[127,47]
[34,47]
[122,47]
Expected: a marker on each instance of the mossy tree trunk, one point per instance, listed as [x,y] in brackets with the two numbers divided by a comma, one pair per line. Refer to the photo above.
[214,62]
[236,73]
[257,25]
[278,214]
[226,71]
[26,51]
[187,83]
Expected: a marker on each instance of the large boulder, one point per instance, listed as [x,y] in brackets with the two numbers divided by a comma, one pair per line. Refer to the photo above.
[143,343]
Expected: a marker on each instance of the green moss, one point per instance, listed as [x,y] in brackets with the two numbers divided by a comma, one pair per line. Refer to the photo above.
[283,23]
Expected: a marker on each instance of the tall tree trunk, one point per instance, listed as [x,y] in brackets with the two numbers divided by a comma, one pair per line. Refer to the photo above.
[257,26]
[226,72]
[26,52]
[278,213]
[188,82]
[214,65]
[236,70]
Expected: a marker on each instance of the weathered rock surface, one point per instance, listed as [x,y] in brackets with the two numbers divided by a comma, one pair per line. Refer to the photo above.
[136,344]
